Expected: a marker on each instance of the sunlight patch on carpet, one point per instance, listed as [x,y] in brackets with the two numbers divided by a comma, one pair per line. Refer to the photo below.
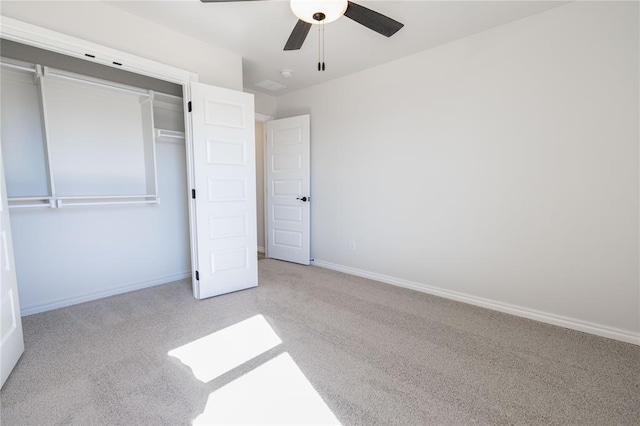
[276,393]
[213,355]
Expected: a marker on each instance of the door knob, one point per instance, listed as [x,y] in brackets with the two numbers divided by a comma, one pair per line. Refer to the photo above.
[303,199]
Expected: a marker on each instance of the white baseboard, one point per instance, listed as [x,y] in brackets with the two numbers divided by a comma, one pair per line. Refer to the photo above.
[562,321]
[260,249]
[63,302]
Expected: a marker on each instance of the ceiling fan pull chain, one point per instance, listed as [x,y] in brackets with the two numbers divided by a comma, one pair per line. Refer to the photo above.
[319,57]
[322,45]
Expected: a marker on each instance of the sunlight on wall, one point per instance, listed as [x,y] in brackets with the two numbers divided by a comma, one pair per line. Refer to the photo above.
[226,349]
[275,393]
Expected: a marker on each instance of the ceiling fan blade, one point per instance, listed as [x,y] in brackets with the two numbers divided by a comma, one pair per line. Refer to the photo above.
[299,33]
[373,20]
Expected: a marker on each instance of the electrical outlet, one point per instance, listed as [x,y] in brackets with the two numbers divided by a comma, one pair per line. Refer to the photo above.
[352,245]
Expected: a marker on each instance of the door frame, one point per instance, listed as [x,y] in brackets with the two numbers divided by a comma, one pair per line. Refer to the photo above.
[33,35]
[263,118]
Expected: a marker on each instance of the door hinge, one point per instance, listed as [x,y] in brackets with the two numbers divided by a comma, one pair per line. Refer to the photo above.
[189,106]
[197,276]
[193,194]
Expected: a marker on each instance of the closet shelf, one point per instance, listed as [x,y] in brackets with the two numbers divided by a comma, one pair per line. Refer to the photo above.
[98,200]
[169,136]
[43,198]
[30,202]
[26,68]
[104,197]
[62,203]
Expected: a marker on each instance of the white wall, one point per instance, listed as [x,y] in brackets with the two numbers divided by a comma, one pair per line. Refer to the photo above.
[103,24]
[500,169]
[71,255]
[264,104]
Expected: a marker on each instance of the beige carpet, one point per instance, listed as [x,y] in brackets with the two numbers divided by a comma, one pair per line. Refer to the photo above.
[374,353]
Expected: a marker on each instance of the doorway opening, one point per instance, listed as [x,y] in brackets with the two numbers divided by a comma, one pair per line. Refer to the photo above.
[286,197]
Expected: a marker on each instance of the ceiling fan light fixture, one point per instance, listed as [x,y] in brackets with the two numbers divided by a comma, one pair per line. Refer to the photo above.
[331,9]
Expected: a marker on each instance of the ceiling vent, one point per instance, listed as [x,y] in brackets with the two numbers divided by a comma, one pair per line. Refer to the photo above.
[271,85]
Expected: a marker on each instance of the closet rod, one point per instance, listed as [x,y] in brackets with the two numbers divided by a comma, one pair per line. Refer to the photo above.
[46,198]
[105,197]
[62,74]
[167,95]
[92,82]
[171,134]
[108,203]
[22,206]
[17,67]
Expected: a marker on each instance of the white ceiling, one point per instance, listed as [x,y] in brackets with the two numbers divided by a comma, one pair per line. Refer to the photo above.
[258,30]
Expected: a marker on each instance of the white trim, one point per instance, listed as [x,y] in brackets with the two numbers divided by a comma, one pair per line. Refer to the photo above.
[61,303]
[263,117]
[260,249]
[264,189]
[32,35]
[193,232]
[559,320]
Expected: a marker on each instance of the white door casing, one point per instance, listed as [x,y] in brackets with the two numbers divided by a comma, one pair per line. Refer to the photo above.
[11,341]
[225,188]
[288,189]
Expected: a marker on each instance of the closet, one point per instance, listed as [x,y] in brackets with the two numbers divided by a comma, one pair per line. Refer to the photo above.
[96,176]
[104,168]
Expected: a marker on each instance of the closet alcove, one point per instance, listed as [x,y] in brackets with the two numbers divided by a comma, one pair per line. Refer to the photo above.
[95,166]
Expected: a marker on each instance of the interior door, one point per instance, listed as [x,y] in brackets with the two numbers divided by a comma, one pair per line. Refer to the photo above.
[11,342]
[225,191]
[288,189]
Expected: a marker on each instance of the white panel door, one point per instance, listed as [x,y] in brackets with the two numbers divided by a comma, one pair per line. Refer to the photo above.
[11,343]
[288,189]
[224,174]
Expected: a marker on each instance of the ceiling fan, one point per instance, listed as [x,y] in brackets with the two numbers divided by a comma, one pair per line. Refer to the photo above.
[324,11]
